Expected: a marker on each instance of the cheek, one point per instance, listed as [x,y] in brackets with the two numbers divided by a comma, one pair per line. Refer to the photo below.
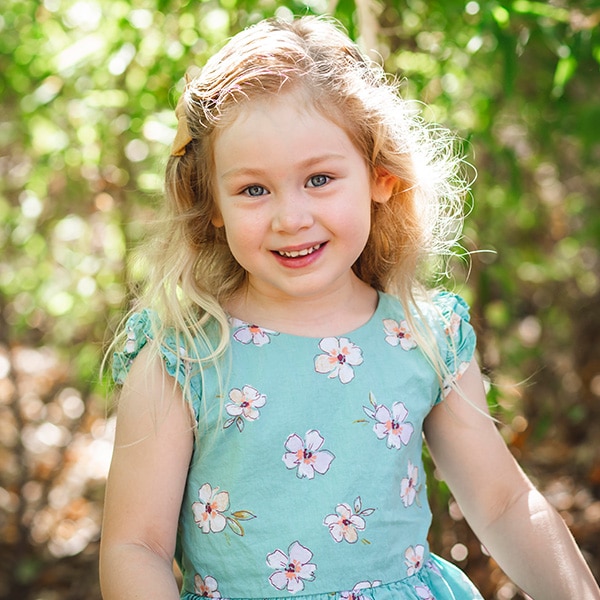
[360,219]
[243,239]
[238,251]
[357,229]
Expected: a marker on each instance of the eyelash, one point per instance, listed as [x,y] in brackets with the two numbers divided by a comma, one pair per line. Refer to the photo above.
[324,178]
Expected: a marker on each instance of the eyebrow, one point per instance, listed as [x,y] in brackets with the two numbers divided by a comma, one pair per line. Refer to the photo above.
[306,164]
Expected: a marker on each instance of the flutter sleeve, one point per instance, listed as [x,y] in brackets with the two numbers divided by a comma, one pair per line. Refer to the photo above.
[140,330]
[458,340]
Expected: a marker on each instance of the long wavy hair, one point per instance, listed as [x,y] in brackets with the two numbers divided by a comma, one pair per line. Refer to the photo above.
[191,271]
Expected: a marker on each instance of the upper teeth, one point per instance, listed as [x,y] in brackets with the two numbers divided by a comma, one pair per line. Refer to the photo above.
[295,253]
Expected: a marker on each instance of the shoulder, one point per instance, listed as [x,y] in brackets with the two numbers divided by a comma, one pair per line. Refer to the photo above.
[140,329]
[455,334]
[148,399]
[441,307]
[439,322]
[449,305]
[182,351]
[438,308]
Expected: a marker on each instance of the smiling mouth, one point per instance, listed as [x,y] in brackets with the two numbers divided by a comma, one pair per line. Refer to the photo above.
[297,253]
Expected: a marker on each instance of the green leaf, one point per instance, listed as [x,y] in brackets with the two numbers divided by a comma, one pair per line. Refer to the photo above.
[243,515]
[235,526]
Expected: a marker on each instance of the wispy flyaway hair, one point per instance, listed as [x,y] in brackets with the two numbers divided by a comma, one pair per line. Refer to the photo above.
[192,273]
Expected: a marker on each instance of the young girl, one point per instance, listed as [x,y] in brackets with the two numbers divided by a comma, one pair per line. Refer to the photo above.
[285,359]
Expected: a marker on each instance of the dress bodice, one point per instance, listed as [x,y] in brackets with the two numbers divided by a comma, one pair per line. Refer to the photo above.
[306,476]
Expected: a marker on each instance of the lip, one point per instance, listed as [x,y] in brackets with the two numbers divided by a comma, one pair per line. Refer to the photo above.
[299,256]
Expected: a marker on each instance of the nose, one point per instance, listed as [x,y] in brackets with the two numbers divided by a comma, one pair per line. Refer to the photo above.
[292,213]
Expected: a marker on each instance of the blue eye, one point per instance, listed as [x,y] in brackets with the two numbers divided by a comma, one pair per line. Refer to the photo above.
[318,180]
[255,190]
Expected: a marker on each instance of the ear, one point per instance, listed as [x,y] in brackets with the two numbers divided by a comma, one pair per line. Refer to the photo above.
[382,185]
[217,219]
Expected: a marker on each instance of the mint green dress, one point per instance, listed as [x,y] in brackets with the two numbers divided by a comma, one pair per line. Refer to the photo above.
[308,478]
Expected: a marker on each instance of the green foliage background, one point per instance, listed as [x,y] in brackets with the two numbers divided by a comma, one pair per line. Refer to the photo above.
[88,89]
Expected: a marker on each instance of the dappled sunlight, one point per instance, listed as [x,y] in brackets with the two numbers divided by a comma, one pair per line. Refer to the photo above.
[56,451]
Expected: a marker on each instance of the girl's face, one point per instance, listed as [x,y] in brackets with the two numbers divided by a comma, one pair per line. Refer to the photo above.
[294,196]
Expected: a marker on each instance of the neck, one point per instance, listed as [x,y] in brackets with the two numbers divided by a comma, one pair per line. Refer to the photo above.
[339,312]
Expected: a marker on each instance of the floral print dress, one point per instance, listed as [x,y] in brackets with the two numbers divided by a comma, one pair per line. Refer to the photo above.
[307,479]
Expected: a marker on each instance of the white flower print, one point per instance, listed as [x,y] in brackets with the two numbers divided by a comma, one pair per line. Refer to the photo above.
[453,325]
[356,592]
[251,334]
[433,567]
[183,356]
[207,587]
[244,406]
[306,455]
[209,512]
[345,524]
[293,569]
[391,424]
[409,486]
[449,380]
[424,592]
[339,358]
[414,559]
[130,344]
[399,334]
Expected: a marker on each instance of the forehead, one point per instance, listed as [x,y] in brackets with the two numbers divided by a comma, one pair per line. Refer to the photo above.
[267,116]
[277,131]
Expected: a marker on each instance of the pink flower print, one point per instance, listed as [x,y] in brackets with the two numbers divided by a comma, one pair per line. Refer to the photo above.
[391,425]
[244,405]
[208,512]
[356,592]
[207,587]
[345,524]
[409,486]
[414,559]
[306,455]
[293,569]
[339,358]
[247,333]
[399,334]
[424,592]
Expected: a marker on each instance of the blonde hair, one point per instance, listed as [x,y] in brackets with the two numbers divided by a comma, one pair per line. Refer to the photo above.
[192,273]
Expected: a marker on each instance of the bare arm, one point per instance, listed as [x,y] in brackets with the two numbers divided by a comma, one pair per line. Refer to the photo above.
[145,486]
[524,534]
